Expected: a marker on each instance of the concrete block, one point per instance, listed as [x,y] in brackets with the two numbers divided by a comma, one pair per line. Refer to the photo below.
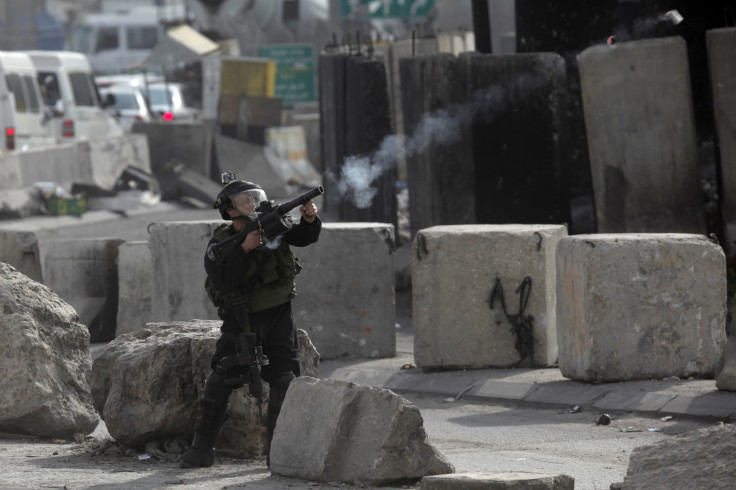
[21,203]
[335,431]
[640,306]
[518,99]
[193,145]
[134,287]
[641,137]
[10,171]
[61,164]
[439,160]
[726,375]
[20,249]
[84,273]
[723,77]
[177,270]
[454,271]
[498,481]
[108,157]
[345,292]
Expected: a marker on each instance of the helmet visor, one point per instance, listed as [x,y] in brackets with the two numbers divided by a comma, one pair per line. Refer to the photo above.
[246,202]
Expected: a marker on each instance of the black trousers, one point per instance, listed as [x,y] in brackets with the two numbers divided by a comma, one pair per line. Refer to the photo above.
[275,327]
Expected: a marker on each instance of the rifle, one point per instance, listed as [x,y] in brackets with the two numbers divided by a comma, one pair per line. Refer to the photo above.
[249,353]
[273,221]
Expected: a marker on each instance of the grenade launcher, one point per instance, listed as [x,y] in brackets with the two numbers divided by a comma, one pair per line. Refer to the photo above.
[273,221]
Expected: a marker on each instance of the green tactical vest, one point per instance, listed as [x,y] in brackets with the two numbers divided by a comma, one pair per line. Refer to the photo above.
[268,281]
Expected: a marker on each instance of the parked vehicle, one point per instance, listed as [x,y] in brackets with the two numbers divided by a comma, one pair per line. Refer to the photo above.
[69,90]
[173,101]
[25,123]
[130,106]
[117,40]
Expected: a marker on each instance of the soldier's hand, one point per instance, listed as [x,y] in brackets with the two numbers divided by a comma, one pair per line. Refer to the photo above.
[252,241]
[309,211]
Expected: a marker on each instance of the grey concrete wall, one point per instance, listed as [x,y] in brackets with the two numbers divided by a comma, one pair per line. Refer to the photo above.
[441,176]
[134,287]
[641,137]
[454,271]
[722,64]
[345,292]
[640,306]
[355,115]
[519,107]
[177,270]
[84,273]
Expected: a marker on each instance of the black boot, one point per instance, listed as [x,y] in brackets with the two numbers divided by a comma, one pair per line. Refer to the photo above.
[212,414]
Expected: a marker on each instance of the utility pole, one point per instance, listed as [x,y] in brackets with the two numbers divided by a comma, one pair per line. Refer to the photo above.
[482,26]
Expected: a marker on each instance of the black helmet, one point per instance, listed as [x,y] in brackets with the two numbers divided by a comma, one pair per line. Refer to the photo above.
[233,188]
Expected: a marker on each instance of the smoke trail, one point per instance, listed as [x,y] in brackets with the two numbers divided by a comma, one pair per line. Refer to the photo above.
[437,128]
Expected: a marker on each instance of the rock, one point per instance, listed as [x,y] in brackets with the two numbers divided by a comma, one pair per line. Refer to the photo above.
[337,431]
[147,385]
[45,364]
[697,459]
[498,481]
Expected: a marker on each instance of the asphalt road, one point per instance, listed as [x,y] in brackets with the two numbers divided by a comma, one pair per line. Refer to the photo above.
[474,437]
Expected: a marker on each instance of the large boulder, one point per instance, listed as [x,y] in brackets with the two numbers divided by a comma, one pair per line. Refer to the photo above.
[147,385]
[337,431]
[697,459]
[46,363]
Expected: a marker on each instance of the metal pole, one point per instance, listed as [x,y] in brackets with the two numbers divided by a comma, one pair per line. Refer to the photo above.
[482,26]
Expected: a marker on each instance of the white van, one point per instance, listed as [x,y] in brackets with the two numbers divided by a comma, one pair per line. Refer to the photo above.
[25,122]
[117,40]
[69,89]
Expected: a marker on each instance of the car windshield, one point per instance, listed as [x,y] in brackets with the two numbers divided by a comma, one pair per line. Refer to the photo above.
[158,96]
[124,100]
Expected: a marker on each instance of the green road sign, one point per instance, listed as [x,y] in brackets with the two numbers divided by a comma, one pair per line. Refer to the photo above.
[294,71]
[385,9]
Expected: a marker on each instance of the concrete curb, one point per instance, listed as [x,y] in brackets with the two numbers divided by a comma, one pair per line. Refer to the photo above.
[544,387]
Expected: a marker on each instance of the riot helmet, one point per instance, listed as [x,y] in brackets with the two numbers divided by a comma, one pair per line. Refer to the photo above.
[241,195]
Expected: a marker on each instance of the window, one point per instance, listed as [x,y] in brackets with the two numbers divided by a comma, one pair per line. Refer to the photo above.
[160,97]
[79,40]
[15,86]
[107,38]
[49,84]
[141,37]
[32,93]
[125,101]
[82,89]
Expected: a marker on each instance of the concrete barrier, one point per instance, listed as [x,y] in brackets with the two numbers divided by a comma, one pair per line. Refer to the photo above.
[641,137]
[84,273]
[134,287]
[455,270]
[640,306]
[177,270]
[20,249]
[723,77]
[345,292]
[97,162]
[193,145]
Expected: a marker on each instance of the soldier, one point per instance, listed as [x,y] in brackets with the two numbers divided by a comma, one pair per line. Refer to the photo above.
[252,289]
